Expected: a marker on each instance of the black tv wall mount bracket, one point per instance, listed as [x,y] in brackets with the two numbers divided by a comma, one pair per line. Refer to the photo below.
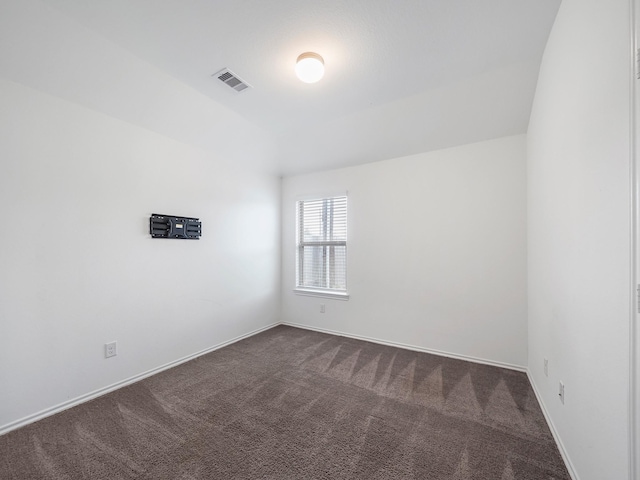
[170,226]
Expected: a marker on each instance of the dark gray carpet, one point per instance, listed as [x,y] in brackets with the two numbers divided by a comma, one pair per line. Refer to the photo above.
[294,404]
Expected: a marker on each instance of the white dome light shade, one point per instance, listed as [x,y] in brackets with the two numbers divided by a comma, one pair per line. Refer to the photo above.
[310,67]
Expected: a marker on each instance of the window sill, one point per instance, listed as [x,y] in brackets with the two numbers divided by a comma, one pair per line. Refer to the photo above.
[321,293]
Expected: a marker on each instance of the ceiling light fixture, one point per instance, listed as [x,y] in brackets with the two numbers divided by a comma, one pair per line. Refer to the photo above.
[310,67]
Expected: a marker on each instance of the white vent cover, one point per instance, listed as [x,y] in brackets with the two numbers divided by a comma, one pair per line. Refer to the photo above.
[229,78]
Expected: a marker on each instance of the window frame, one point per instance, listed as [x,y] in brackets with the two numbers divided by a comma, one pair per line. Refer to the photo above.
[300,289]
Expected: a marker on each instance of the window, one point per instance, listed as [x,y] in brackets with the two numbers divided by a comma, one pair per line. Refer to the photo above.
[321,263]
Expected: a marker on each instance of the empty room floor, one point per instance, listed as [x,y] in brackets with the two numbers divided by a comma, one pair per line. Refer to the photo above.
[296,404]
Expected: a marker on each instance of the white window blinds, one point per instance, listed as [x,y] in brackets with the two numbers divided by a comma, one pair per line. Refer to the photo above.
[322,244]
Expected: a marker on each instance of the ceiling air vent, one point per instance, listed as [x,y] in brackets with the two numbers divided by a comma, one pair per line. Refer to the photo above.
[229,78]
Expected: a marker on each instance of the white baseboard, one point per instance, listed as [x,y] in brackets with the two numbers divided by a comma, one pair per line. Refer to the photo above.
[102,391]
[441,353]
[554,432]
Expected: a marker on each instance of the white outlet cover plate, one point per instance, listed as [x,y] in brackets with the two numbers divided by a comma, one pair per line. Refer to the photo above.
[110,349]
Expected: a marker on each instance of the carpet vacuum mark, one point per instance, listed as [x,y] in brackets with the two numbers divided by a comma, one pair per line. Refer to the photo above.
[295,404]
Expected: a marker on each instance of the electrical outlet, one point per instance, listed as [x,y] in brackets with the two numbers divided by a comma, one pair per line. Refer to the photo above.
[546,367]
[110,349]
[561,392]
[322,308]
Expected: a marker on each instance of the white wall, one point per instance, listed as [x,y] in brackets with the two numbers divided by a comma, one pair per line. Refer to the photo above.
[436,251]
[79,268]
[578,234]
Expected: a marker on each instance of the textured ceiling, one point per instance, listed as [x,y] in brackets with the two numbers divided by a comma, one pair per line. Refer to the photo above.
[402,76]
